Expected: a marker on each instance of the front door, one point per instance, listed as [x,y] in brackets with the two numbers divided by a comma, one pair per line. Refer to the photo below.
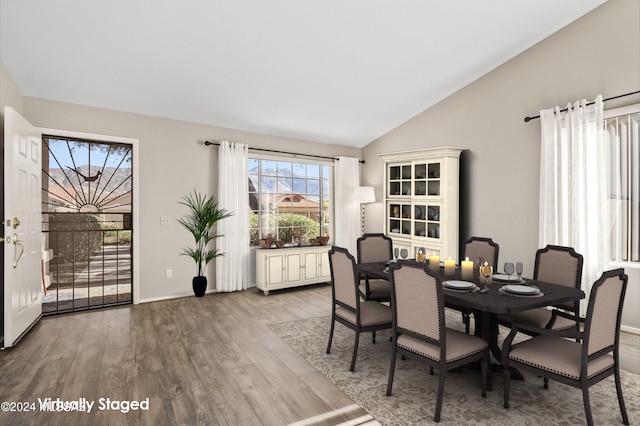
[22,223]
[87,223]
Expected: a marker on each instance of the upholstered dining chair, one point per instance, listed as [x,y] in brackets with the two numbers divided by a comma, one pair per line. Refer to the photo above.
[476,248]
[482,248]
[346,306]
[420,332]
[556,265]
[551,355]
[375,248]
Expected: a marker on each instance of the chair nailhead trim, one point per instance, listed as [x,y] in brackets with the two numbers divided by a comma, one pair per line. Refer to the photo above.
[553,370]
[436,359]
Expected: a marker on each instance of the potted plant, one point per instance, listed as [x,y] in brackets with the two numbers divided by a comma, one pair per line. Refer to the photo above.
[203,215]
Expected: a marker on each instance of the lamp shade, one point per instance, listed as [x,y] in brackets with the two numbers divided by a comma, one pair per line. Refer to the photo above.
[364,194]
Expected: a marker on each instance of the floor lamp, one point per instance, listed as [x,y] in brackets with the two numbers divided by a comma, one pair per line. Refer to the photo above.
[364,195]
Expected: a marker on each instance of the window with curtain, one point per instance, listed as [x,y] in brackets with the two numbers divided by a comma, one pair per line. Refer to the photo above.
[289,200]
[622,134]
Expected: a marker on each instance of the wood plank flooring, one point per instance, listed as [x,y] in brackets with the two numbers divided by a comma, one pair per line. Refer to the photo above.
[210,360]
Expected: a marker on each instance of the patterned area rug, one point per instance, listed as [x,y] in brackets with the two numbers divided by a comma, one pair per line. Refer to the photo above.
[414,390]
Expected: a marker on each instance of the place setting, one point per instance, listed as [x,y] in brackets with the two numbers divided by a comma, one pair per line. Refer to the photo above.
[515,286]
[508,276]
[460,286]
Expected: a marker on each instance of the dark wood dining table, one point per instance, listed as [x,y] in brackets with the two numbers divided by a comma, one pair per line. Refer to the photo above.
[490,304]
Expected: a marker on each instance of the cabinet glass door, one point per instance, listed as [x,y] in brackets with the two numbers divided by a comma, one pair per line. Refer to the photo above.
[400,177]
[420,220]
[426,221]
[400,216]
[420,181]
[433,221]
[433,179]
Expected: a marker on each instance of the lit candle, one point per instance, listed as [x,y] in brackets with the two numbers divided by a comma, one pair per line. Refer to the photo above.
[467,270]
[449,267]
[434,262]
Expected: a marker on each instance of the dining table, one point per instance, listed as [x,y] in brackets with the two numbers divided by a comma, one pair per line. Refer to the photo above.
[488,304]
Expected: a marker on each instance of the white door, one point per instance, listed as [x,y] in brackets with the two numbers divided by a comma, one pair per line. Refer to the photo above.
[22,223]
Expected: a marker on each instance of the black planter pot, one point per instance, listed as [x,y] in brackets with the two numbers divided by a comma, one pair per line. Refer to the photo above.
[199,286]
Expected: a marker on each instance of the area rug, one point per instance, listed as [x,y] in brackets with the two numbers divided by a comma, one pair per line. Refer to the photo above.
[414,390]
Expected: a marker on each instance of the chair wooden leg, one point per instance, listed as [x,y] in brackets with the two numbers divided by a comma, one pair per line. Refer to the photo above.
[476,322]
[355,352]
[507,386]
[436,417]
[392,370]
[484,368]
[623,410]
[333,324]
[466,320]
[587,405]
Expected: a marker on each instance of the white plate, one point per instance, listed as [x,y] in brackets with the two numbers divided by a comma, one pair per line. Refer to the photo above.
[506,278]
[520,289]
[458,285]
[432,213]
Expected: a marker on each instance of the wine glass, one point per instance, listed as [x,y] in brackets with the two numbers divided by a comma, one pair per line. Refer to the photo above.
[479,264]
[404,253]
[395,254]
[519,269]
[508,269]
[486,271]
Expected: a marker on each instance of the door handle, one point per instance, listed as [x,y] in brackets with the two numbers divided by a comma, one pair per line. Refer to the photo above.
[16,257]
[16,222]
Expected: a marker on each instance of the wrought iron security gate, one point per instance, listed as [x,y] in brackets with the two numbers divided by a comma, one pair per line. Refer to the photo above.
[87,224]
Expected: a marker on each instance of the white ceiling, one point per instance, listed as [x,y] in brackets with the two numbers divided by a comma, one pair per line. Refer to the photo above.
[332,71]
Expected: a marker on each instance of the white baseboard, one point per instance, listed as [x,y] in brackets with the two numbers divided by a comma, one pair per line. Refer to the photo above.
[178,295]
[628,329]
[171,296]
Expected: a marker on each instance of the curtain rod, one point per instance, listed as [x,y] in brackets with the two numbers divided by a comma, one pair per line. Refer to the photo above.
[527,119]
[295,154]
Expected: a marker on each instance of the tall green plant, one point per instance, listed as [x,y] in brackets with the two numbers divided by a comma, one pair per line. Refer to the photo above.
[203,215]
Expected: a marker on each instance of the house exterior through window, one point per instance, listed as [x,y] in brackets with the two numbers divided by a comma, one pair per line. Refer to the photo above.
[289,200]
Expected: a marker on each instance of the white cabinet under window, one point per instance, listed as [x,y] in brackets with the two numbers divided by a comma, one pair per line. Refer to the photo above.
[291,267]
[421,200]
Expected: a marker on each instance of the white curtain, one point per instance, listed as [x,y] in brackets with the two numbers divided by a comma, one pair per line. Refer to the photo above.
[232,269]
[623,137]
[573,185]
[347,213]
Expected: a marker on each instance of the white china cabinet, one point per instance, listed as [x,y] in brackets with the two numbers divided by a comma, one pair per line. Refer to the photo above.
[421,200]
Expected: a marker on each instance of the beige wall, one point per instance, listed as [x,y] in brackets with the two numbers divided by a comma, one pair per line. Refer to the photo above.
[598,54]
[172,162]
[9,93]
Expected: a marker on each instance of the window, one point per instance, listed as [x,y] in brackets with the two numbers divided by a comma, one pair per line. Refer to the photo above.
[621,133]
[289,200]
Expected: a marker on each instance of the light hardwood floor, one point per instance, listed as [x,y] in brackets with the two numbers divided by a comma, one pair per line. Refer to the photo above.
[210,360]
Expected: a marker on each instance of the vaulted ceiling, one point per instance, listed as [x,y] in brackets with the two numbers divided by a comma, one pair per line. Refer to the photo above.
[332,71]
